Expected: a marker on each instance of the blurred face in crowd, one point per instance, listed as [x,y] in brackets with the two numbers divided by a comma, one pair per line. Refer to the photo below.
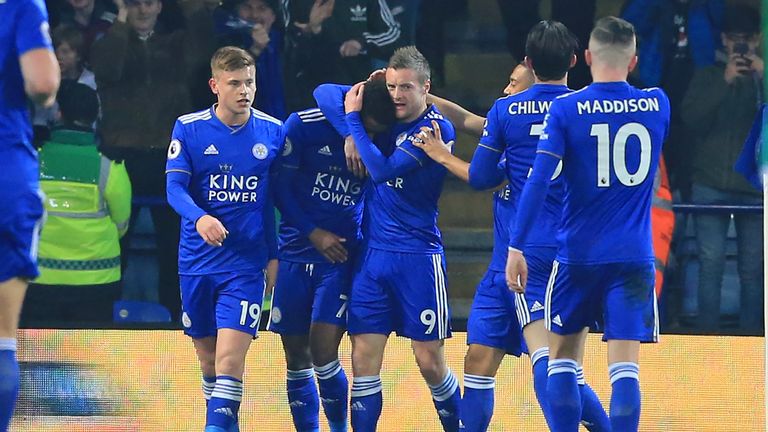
[408,93]
[142,14]
[740,42]
[69,60]
[81,4]
[520,79]
[258,12]
[235,89]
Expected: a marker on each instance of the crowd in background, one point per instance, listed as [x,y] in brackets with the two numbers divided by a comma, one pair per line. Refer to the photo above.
[131,67]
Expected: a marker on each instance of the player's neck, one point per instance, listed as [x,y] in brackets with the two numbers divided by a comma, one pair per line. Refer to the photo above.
[560,82]
[605,75]
[418,114]
[230,118]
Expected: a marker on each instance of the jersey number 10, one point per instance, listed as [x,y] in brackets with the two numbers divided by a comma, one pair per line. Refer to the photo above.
[602,132]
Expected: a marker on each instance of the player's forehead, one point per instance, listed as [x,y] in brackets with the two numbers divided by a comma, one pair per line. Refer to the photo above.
[242,74]
[402,76]
[518,73]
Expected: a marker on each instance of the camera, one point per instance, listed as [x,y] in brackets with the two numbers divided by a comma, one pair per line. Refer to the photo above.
[741,48]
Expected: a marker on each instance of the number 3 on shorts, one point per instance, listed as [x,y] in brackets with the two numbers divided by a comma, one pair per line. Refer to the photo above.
[428,319]
[254,311]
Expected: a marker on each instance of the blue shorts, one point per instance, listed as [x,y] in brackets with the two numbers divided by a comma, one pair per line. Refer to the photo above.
[529,306]
[492,320]
[222,300]
[20,223]
[401,292]
[621,295]
[307,293]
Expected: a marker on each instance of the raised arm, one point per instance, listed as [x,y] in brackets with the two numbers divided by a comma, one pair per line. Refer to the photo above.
[462,119]
[39,66]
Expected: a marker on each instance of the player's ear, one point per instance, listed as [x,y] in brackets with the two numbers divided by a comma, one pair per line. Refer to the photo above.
[632,63]
[212,85]
[573,61]
[427,86]
[587,57]
[528,63]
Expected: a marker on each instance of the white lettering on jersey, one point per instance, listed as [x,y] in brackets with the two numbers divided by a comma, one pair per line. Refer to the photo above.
[232,188]
[334,189]
[529,107]
[397,183]
[618,106]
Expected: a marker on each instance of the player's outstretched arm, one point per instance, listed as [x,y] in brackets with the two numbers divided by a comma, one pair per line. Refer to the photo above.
[462,119]
[432,144]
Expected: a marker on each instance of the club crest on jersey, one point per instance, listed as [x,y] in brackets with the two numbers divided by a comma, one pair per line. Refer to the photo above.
[288,147]
[174,149]
[401,138]
[259,151]
[275,315]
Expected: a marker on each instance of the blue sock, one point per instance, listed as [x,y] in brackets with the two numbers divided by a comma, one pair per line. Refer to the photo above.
[225,402]
[625,397]
[366,403]
[303,400]
[447,398]
[563,395]
[593,415]
[334,386]
[477,403]
[9,381]
[539,364]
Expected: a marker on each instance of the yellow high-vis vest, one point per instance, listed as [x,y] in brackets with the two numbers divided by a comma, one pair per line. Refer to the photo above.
[88,207]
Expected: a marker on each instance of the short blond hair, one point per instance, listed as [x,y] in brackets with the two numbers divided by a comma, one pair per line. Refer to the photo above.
[230,58]
[613,41]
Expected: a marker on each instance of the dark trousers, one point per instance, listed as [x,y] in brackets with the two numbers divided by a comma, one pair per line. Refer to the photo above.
[146,170]
[69,303]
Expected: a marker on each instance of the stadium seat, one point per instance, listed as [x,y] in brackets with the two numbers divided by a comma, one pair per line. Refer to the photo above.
[139,311]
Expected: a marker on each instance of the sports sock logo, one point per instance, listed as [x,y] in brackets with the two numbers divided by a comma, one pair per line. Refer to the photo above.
[358,406]
[225,411]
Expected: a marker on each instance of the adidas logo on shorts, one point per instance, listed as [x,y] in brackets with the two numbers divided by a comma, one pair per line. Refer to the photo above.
[536,307]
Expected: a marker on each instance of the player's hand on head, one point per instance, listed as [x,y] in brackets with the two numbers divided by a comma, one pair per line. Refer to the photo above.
[211,230]
[353,101]
[431,141]
[329,245]
[354,161]
[377,74]
[516,271]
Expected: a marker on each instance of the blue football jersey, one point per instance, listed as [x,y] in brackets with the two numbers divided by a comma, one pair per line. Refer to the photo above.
[503,212]
[400,214]
[327,193]
[609,136]
[24,28]
[230,180]
[514,124]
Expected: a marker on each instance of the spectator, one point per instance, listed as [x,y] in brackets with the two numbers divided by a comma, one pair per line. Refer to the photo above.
[88,203]
[69,45]
[252,25]
[718,107]
[334,41]
[142,74]
[91,17]
[675,38]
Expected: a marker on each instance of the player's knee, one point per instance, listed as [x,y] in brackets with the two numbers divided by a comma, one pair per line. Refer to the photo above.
[322,355]
[298,358]
[365,363]
[479,361]
[431,364]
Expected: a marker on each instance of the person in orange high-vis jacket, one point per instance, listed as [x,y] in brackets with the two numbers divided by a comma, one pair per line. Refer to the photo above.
[662,222]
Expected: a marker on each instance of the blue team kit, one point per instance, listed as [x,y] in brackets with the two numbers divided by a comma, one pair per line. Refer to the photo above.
[605,254]
[318,191]
[25,29]
[229,173]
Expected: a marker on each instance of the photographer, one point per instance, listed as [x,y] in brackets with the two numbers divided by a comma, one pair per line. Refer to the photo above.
[718,108]
[253,26]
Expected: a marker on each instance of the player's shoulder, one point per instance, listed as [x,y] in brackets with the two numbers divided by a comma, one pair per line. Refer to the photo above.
[197,116]
[574,95]
[433,114]
[653,92]
[261,117]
